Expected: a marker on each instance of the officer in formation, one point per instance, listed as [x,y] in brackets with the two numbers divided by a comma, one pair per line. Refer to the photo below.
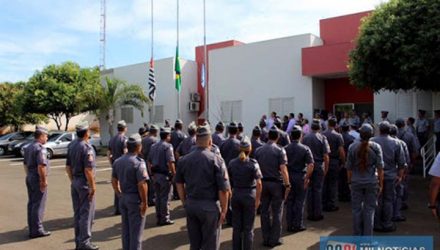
[129,181]
[394,166]
[264,130]
[284,138]
[116,148]
[300,166]
[276,186]
[255,140]
[81,167]
[185,146]
[36,166]
[147,142]
[177,136]
[343,189]
[364,161]
[398,199]
[202,181]
[246,185]
[143,132]
[337,159]
[161,162]
[384,116]
[218,137]
[422,128]
[319,146]
[240,133]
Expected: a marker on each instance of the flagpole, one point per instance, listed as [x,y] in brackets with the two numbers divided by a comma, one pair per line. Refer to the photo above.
[151,109]
[205,56]
[178,92]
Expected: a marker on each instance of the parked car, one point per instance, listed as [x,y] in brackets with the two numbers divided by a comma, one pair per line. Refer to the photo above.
[15,146]
[52,135]
[9,138]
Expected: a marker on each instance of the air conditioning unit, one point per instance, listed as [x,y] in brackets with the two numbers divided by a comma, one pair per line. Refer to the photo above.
[194,106]
[195,97]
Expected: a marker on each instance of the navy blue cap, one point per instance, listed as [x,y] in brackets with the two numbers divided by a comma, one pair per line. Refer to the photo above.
[153,128]
[296,128]
[232,125]
[245,143]
[122,124]
[165,130]
[203,131]
[240,125]
[41,129]
[134,139]
[81,126]
[178,121]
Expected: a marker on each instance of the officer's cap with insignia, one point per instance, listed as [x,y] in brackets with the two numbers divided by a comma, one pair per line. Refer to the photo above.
[41,130]
[245,143]
[178,121]
[134,139]
[232,125]
[153,128]
[122,124]
[203,131]
[297,128]
[192,126]
[219,126]
[82,126]
[384,112]
[165,130]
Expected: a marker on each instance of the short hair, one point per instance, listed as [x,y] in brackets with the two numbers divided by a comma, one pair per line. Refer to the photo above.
[273,135]
[191,132]
[385,130]
[38,133]
[178,126]
[331,123]
[163,136]
[82,133]
[232,130]
[256,132]
[295,134]
[132,147]
[121,128]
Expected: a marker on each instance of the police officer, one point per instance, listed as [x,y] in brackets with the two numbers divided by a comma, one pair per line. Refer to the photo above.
[276,186]
[36,167]
[384,116]
[177,136]
[230,148]
[394,165]
[337,158]
[143,132]
[343,188]
[202,182]
[284,139]
[147,142]
[185,146]
[240,134]
[319,146]
[264,129]
[398,199]
[246,193]
[300,167]
[161,161]
[116,148]
[364,160]
[255,140]
[129,176]
[422,128]
[217,137]
[80,167]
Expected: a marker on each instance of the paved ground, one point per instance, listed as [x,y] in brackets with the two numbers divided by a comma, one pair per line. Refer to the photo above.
[106,230]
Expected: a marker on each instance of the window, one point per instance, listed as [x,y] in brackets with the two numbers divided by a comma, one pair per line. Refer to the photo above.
[231,111]
[127,114]
[66,138]
[158,114]
[282,106]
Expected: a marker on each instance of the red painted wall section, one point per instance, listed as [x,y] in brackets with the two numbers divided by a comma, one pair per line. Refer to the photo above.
[338,35]
[200,59]
[340,90]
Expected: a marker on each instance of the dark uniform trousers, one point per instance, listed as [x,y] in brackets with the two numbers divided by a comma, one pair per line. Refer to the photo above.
[132,222]
[36,204]
[343,188]
[83,211]
[364,203]
[397,204]
[296,201]
[271,202]
[202,218]
[243,217]
[384,210]
[330,188]
[164,191]
[116,200]
[314,195]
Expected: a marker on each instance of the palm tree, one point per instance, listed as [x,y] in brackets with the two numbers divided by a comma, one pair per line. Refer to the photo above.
[116,92]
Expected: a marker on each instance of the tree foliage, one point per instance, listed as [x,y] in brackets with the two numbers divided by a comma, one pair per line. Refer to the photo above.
[62,91]
[399,47]
[116,92]
[11,107]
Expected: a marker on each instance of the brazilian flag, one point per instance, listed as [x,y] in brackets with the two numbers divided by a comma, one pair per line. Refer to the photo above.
[177,71]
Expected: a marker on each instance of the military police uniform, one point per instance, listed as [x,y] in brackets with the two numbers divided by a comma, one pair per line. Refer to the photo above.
[270,157]
[129,171]
[203,174]
[343,188]
[394,161]
[319,146]
[284,139]
[117,147]
[177,136]
[330,189]
[299,157]
[217,137]
[185,146]
[422,128]
[161,154]
[147,142]
[35,155]
[243,176]
[80,155]
[255,141]
[364,184]
[230,148]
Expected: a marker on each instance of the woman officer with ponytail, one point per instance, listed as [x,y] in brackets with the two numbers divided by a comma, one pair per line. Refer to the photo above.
[365,178]
[246,184]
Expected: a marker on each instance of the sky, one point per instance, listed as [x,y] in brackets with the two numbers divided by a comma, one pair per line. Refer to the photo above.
[36,33]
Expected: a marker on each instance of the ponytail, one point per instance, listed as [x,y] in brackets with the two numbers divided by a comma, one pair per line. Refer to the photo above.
[363,155]
[242,156]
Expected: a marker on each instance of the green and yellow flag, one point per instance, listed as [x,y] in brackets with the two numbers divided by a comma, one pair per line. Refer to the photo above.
[177,71]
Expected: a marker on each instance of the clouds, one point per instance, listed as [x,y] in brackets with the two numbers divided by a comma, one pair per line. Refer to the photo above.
[36,33]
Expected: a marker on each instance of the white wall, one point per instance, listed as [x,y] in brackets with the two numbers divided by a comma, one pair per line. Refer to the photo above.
[166,93]
[402,104]
[257,72]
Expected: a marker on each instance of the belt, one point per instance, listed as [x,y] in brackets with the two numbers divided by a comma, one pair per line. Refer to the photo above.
[159,171]
[272,179]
